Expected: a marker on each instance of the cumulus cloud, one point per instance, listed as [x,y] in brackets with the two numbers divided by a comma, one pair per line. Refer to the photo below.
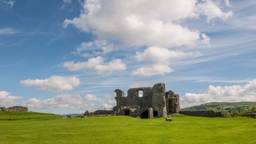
[53,83]
[112,101]
[235,93]
[7,100]
[205,39]
[59,101]
[91,63]
[98,65]
[145,22]
[91,97]
[157,25]
[114,65]
[212,10]
[87,106]
[106,106]
[96,47]
[152,70]
[159,54]
[227,3]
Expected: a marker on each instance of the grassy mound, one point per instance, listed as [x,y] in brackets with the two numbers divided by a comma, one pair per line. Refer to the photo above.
[26,115]
[122,129]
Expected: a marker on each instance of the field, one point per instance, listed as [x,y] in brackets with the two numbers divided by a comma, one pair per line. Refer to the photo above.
[37,128]
[223,106]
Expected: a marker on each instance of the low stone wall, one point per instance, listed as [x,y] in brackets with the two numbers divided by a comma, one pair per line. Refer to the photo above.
[103,112]
[2,109]
[209,113]
[250,115]
[14,109]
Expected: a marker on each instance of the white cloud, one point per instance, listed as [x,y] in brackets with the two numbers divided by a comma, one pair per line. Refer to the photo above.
[6,4]
[152,70]
[114,65]
[106,106]
[53,83]
[90,97]
[98,65]
[145,22]
[227,3]
[91,63]
[59,101]
[87,49]
[87,106]
[235,93]
[112,101]
[7,31]
[158,54]
[212,10]
[205,39]
[8,100]
[67,1]
[10,3]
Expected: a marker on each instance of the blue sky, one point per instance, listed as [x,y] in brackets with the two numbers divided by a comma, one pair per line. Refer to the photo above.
[67,56]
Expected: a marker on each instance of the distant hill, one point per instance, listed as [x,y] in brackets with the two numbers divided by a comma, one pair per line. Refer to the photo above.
[223,106]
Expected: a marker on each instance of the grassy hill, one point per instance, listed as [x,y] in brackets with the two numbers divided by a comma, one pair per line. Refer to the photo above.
[223,106]
[31,128]
[27,116]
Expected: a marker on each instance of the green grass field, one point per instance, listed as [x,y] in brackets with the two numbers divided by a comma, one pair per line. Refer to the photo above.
[37,128]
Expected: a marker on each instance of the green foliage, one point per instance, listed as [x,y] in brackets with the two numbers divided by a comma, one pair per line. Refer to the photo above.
[251,110]
[47,128]
[227,108]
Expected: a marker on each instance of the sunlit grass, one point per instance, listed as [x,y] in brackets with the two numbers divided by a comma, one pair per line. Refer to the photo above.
[48,128]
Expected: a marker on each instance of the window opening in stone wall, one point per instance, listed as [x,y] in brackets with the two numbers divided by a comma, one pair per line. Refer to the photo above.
[155,113]
[127,112]
[144,114]
[140,93]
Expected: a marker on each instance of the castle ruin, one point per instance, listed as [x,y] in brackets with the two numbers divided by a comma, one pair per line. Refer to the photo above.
[147,102]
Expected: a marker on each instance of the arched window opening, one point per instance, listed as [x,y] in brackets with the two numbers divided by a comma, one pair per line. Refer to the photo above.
[140,93]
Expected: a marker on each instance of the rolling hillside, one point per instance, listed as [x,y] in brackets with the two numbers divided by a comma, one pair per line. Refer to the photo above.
[223,106]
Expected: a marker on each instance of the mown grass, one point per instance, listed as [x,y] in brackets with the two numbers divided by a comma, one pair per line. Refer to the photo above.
[46,128]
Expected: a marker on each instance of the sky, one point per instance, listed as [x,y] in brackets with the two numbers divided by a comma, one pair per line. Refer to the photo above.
[69,56]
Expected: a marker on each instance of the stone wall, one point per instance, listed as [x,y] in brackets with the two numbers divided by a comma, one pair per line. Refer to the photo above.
[2,109]
[103,112]
[173,102]
[250,115]
[133,99]
[209,113]
[159,99]
[14,109]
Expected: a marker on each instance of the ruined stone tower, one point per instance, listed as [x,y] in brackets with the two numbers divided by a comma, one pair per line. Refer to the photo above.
[153,102]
